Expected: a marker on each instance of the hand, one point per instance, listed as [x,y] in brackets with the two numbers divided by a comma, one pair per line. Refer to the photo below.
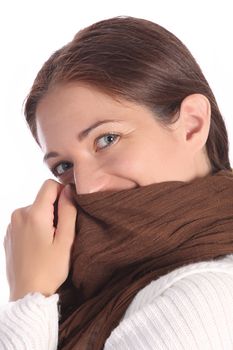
[37,253]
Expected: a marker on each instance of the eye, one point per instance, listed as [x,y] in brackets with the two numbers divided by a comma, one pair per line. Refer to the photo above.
[60,168]
[102,141]
[106,140]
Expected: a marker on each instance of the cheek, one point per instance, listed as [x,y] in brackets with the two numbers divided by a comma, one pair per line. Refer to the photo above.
[143,159]
[130,161]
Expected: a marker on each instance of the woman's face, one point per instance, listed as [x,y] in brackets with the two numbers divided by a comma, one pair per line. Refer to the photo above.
[97,143]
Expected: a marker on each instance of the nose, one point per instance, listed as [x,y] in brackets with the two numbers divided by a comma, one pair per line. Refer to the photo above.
[89,179]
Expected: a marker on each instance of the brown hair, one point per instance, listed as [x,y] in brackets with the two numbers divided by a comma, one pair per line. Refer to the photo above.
[137,60]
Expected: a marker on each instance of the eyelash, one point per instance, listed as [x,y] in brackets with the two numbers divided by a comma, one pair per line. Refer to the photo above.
[53,169]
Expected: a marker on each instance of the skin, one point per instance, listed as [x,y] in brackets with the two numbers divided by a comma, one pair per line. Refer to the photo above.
[144,153]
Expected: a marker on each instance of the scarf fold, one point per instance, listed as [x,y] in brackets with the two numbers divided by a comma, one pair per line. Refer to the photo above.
[126,239]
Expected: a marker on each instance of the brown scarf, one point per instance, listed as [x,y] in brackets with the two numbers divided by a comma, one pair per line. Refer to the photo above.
[125,239]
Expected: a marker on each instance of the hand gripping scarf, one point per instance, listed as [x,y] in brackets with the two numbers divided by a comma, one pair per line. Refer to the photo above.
[126,239]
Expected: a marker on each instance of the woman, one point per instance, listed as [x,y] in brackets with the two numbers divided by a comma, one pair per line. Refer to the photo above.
[136,252]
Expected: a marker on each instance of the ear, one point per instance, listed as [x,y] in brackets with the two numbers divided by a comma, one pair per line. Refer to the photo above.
[195,115]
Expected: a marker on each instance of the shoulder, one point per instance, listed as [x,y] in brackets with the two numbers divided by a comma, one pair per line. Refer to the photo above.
[191,307]
[220,270]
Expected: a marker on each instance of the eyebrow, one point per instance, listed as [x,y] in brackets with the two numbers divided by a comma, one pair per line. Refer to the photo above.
[82,135]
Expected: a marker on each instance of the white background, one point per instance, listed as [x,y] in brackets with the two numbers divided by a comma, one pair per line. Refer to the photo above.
[31,30]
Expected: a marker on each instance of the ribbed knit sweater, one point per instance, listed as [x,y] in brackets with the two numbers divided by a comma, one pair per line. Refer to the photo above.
[189,308]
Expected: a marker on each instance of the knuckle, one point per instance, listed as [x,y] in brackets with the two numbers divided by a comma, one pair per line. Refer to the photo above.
[47,182]
[50,182]
[47,186]
[19,213]
[15,214]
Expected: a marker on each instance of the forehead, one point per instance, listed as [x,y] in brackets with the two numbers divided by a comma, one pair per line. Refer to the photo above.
[81,97]
[76,106]
[74,102]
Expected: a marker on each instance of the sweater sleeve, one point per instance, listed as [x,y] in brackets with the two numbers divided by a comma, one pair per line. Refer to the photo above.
[30,323]
[195,313]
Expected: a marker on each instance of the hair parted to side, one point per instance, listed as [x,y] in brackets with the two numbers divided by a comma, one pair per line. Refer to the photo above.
[140,61]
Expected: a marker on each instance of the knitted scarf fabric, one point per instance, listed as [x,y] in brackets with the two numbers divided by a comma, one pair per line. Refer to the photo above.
[125,239]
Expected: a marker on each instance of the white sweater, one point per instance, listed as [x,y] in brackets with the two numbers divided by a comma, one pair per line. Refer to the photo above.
[189,308]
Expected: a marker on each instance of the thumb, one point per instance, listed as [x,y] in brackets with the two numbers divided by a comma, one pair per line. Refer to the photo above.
[67,212]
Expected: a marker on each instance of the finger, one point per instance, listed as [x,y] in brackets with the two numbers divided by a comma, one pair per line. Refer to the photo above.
[8,230]
[47,194]
[5,238]
[67,213]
